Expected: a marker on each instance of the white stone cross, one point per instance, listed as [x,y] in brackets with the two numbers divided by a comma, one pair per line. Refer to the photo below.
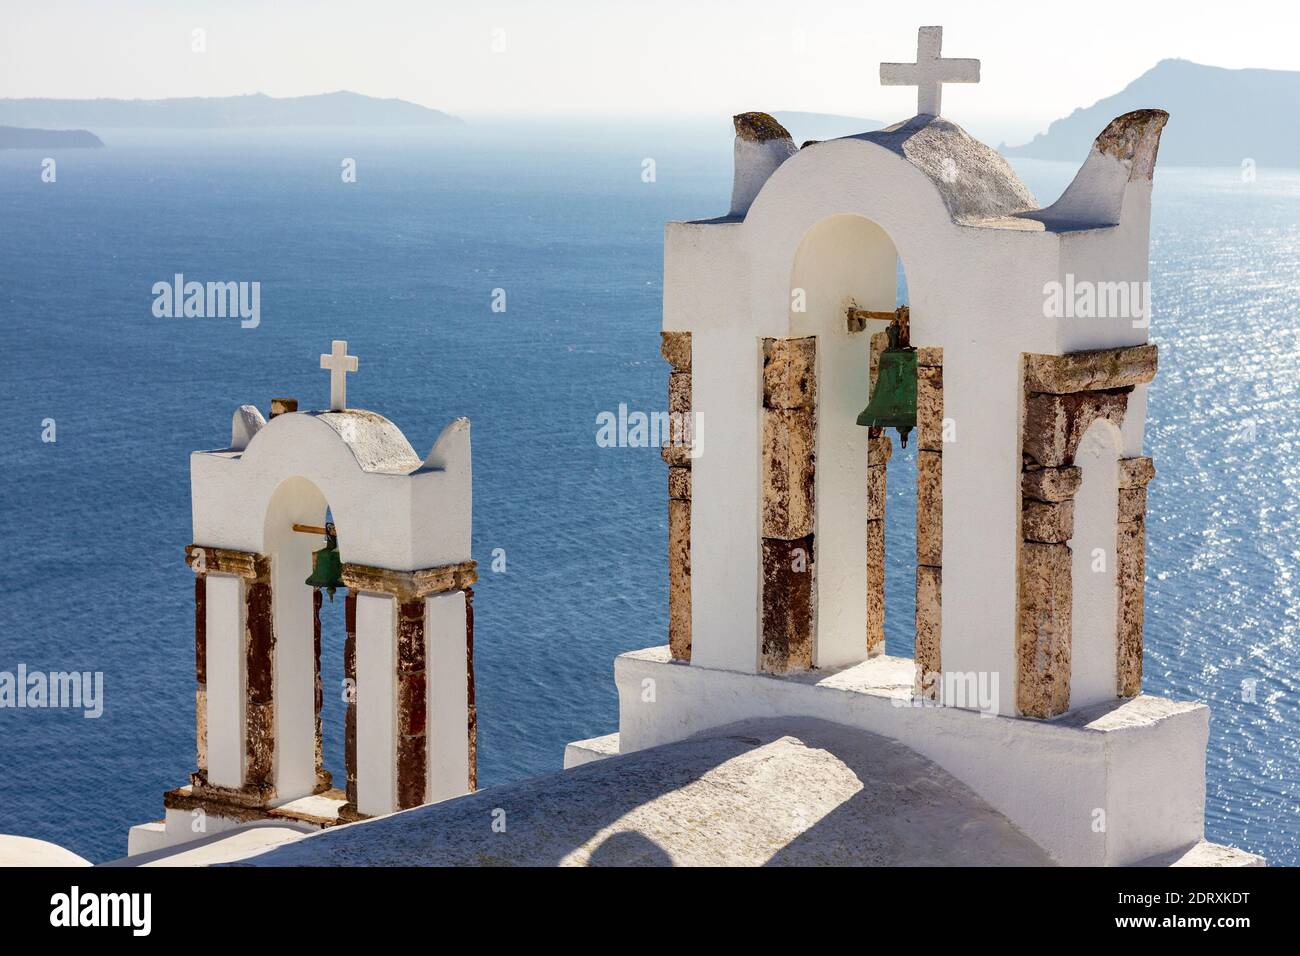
[930,71]
[339,362]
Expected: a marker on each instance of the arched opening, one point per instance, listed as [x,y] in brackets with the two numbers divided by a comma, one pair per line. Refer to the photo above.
[308,716]
[865,526]
[1093,566]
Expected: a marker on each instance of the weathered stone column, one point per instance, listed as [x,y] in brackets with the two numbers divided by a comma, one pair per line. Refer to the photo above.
[1064,396]
[676,348]
[350,715]
[415,730]
[323,778]
[788,476]
[235,659]
[929,520]
[1130,572]
[879,450]
[201,674]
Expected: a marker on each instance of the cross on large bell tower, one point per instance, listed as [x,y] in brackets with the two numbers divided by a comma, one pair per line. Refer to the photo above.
[930,71]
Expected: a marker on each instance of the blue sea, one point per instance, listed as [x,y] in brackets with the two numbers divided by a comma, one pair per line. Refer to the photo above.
[403,264]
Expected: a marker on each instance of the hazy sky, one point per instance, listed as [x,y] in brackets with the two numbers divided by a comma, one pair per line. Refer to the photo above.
[701,57]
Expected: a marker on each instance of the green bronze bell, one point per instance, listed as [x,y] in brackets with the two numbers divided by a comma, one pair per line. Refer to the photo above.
[893,402]
[327,566]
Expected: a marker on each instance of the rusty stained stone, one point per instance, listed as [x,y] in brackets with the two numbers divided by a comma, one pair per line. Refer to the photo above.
[315,627]
[410,637]
[790,373]
[759,127]
[879,450]
[1055,423]
[679,393]
[789,437]
[929,508]
[282,406]
[675,347]
[876,493]
[350,750]
[1047,522]
[929,356]
[244,564]
[472,722]
[409,585]
[1090,371]
[1134,138]
[1136,472]
[201,628]
[1130,574]
[259,754]
[260,644]
[350,637]
[412,750]
[679,579]
[1132,504]
[787,605]
[929,408]
[1044,630]
[676,455]
[679,483]
[929,621]
[1051,484]
[412,771]
[201,728]
[875,587]
[412,712]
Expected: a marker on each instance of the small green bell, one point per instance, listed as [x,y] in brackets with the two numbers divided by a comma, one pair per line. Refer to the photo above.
[893,402]
[327,566]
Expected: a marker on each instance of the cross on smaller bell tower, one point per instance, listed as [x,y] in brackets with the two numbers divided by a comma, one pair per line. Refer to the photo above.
[339,362]
[930,71]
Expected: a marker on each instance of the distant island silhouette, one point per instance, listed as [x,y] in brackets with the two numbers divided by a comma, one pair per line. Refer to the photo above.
[343,108]
[1216,117]
[17,137]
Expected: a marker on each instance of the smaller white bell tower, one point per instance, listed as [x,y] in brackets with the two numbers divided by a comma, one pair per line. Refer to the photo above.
[402,525]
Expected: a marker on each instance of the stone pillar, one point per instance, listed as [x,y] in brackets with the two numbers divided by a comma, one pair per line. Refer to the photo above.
[201,674]
[1130,572]
[879,450]
[323,778]
[235,659]
[929,520]
[676,348]
[350,688]
[788,487]
[1064,395]
[414,726]
[469,689]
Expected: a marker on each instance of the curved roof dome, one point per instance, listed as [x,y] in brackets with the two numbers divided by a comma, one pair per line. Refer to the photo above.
[977,184]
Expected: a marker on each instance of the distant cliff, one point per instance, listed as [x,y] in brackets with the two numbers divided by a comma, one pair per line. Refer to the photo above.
[1216,117]
[325,109]
[16,137]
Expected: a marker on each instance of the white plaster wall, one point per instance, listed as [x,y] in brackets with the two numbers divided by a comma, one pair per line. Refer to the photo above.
[1093,616]
[227,671]
[974,290]
[376,707]
[1143,764]
[403,521]
[977,294]
[705,291]
[447,687]
[295,500]
[843,261]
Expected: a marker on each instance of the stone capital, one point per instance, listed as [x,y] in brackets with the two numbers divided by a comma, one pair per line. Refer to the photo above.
[410,585]
[244,564]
